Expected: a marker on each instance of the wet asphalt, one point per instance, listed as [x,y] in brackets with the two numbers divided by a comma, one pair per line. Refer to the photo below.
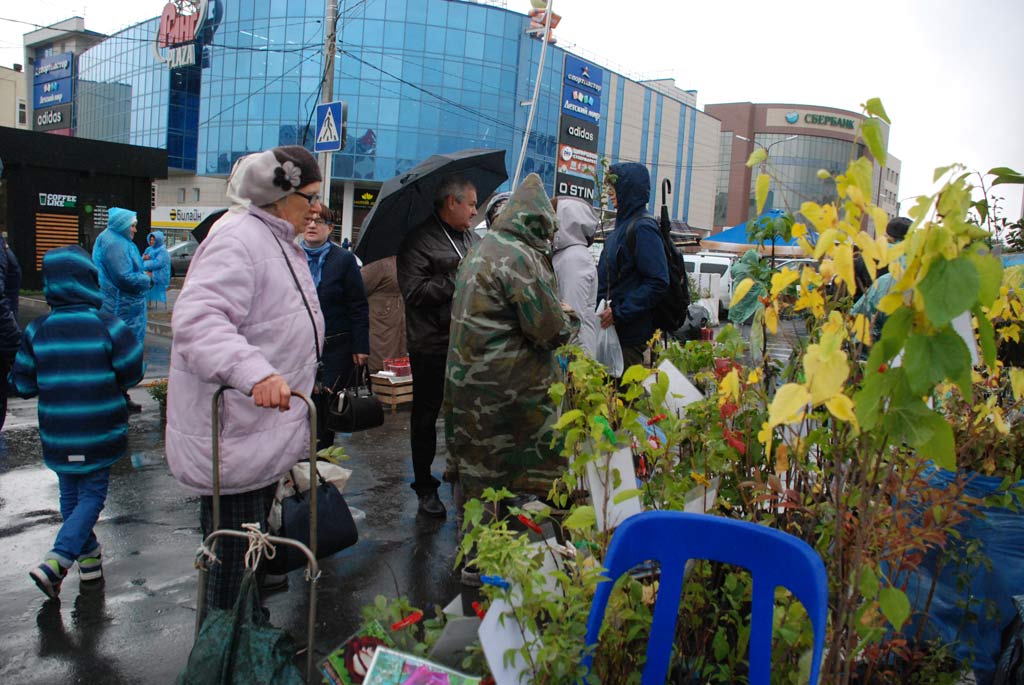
[137,625]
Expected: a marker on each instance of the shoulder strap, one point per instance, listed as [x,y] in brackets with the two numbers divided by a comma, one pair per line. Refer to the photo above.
[309,310]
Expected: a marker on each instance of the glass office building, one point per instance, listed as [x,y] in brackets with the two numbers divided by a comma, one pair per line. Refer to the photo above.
[800,140]
[419,77]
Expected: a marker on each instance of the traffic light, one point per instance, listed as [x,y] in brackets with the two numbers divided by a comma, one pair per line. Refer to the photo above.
[538,18]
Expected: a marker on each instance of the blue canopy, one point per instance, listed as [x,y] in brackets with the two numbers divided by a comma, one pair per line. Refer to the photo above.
[735,239]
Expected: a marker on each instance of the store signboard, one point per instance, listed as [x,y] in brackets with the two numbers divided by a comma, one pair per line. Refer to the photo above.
[180,26]
[576,162]
[53,68]
[580,103]
[578,133]
[365,197]
[584,75]
[52,93]
[179,217]
[53,118]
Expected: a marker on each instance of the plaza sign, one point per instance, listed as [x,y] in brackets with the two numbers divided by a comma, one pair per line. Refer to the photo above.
[179,29]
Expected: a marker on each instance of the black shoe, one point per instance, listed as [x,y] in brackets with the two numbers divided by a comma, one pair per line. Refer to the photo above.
[431,505]
[133,407]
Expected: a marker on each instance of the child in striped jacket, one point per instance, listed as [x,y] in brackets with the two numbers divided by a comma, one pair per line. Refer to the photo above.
[79,361]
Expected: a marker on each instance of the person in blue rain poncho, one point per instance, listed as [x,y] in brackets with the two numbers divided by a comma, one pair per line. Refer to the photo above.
[158,264]
[123,280]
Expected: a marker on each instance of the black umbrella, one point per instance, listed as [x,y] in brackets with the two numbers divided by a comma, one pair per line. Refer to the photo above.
[405,201]
[203,229]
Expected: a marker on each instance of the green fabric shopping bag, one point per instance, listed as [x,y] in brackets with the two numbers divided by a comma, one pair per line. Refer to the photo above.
[235,648]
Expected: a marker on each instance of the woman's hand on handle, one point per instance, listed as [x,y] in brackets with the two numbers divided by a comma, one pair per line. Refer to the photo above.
[271,392]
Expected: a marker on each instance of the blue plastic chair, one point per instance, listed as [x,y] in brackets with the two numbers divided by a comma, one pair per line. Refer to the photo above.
[671,538]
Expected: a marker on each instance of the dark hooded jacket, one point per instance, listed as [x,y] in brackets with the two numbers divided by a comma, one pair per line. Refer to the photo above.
[506,324]
[79,361]
[632,279]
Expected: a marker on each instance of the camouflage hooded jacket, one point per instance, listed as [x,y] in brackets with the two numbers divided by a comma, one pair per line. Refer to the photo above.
[506,324]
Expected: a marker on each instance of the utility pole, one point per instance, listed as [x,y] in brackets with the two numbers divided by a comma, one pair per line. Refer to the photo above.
[327,91]
[536,94]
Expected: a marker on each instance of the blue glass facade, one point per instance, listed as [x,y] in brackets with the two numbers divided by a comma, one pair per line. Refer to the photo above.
[419,78]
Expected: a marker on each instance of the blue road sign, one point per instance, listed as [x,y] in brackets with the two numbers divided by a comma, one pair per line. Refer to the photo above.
[330,127]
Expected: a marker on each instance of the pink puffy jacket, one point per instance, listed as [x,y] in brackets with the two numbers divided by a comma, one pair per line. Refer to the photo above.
[239,319]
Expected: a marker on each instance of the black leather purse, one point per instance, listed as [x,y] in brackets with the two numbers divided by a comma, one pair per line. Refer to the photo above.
[335,530]
[355,408]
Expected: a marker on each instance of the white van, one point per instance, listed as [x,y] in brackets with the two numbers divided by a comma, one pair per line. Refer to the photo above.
[703,266]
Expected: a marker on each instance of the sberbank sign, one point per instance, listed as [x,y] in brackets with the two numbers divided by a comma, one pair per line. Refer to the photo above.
[828,120]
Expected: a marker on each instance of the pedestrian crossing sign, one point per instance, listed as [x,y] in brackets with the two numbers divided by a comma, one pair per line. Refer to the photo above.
[330,126]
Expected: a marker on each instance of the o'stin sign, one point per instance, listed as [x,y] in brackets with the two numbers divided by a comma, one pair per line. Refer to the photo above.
[175,41]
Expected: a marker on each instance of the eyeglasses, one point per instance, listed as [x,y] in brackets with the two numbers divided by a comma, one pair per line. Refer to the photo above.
[312,199]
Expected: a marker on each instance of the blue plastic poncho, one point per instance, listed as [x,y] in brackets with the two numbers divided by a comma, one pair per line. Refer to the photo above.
[157,261]
[123,281]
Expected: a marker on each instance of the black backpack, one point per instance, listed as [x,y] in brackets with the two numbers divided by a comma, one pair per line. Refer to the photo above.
[671,309]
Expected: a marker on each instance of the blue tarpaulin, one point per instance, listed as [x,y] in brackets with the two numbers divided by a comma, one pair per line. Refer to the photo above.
[1000,531]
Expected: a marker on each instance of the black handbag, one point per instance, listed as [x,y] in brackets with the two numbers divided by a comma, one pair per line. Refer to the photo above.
[336,529]
[355,408]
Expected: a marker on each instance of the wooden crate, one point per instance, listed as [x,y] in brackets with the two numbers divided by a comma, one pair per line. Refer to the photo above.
[392,391]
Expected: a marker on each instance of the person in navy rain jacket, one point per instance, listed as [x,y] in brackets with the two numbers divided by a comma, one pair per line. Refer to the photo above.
[339,286]
[632,273]
[79,361]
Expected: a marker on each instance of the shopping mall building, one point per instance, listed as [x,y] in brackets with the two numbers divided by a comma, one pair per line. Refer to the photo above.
[800,140]
[417,77]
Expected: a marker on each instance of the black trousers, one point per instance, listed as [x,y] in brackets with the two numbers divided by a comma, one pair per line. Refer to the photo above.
[427,397]
[336,373]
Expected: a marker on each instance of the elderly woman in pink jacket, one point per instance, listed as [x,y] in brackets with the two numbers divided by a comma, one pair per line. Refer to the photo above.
[241,321]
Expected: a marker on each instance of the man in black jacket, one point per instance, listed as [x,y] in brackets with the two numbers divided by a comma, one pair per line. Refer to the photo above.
[427,262]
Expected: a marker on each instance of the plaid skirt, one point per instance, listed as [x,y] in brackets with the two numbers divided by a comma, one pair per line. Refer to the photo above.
[225,578]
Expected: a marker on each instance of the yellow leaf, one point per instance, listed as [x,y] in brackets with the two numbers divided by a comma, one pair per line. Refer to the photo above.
[890,303]
[862,329]
[788,405]
[826,243]
[782,459]
[841,407]
[753,377]
[782,280]
[771,319]
[740,291]
[855,194]
[823,217]
[799,230]
[844,266]
[764,436]
[807,248]
[756,157]
[1017,382]
[729,388]
[827,270]
[761,191]
[827,368]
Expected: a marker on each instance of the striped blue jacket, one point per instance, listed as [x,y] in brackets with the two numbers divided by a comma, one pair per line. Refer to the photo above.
[79,361]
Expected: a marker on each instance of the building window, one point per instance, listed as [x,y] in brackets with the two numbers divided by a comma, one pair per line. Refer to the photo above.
[181,195]
[195,195]
[152,196]
[22,111]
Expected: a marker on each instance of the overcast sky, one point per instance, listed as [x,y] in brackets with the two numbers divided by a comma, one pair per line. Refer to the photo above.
[948,71]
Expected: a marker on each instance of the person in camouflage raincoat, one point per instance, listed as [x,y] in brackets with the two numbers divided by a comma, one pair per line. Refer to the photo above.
[507,322]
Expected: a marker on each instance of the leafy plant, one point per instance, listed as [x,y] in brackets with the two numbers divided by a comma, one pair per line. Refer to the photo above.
[158,391]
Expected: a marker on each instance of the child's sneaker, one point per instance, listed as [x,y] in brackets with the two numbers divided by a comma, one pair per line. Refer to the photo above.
[48,576]
[90,567]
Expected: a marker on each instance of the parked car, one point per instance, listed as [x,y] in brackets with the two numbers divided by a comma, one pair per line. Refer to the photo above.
[707,263]
[181,256]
